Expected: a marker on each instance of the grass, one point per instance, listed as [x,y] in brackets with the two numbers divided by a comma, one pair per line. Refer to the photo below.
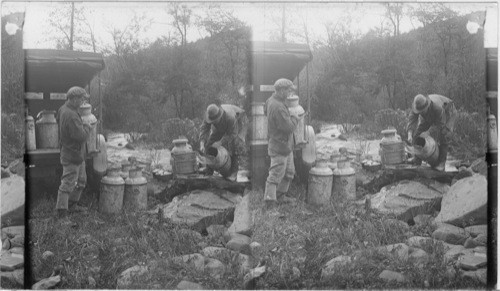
[305,238]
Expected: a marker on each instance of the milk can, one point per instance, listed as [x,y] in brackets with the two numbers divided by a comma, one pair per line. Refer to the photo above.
[392,149]
[344,181]
[183,158]
[136,190]
[426,148]
[85,111]
[309,151]
[295,109]
[47,130]
[30,134]
[100,161]
[218,159]
[319,189]
[111,194]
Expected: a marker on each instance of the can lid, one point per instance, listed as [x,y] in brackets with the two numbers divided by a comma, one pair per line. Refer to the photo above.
[293,98]
[321,169]
[85,106]
[389,131]
[180,140]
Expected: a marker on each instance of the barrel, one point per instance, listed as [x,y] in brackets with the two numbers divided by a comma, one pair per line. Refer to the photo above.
[30,134]
[219,160]
[47,130]
[259,122]
[260,163]
[111,192]
[426,148]
[136,190]
[319,188]
[344,181]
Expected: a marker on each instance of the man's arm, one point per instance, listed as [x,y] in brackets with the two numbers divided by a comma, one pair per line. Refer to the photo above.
[285,122]
[78,131]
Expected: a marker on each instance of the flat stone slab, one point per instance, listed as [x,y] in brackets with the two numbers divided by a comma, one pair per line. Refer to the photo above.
[201,208]
[13,199]
[392,276]
[331,265]
[47,283]
[8,262]
[465,203]
[471,262]
[450,234]
[12,231]
[407,199]
[186,285]
[476,230]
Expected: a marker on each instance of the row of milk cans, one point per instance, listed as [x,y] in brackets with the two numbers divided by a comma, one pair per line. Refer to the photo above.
[44,133]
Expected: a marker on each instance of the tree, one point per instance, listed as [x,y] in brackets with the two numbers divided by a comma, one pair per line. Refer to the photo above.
[182,19]
[66,19]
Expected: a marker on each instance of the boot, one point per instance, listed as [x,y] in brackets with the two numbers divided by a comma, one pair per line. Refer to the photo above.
[284,185]
[62,200]
[443,153]
[234,169]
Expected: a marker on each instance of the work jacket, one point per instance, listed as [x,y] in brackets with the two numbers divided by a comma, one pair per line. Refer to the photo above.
[280,127]
[441,114]
[227,128]
[72,134]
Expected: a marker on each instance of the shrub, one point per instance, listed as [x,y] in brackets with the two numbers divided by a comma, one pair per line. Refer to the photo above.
[12,137]
[389,117]
[173,128]
[470,135]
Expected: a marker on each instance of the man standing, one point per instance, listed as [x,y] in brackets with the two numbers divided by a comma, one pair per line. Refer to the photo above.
[72,136]
[280,127]
[224,123]
[436,114]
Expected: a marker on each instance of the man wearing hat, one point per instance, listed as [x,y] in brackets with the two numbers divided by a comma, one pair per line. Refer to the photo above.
[224,124]
[72,137]
[436,114]
[280,127]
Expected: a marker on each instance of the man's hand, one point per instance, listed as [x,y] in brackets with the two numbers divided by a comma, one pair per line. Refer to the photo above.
[202,147]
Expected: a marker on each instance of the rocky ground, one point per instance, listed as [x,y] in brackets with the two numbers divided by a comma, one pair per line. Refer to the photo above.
[416,233]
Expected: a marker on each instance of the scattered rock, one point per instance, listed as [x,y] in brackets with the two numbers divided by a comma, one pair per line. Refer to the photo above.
[242,218]
[215,268]
[480,250]
[400,250]
[470,243]
[189,233]
[15,278]
[453,252]
[17,241]
[229,233]
[450,234]
[91,281]
[476,230]
[244,261]
[255,247]
[481,239]
[419,256]
[332,265]
[423,219]
[129,146]
[126,278]
[8,262]
[13,231]
[47,283]
[6,244]
[470,262]
[186,285]
[17,250]
[480,275]
[240,243]
[407,199]
[450,272]
[13,199]
[465,203]
[480,166]
[201,208]
[47,255]
[392,276]
[196,260]
[249,281]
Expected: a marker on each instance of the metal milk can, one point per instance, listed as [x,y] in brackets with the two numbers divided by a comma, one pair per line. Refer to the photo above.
[392,149]
[218,159]
[309,151]
[319,189]
[85,111]
[183,159]
[344,181]
[426,148]
[136,190]
[100,161]
[111,194]
[295,109]
[30,133]
[47,130]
